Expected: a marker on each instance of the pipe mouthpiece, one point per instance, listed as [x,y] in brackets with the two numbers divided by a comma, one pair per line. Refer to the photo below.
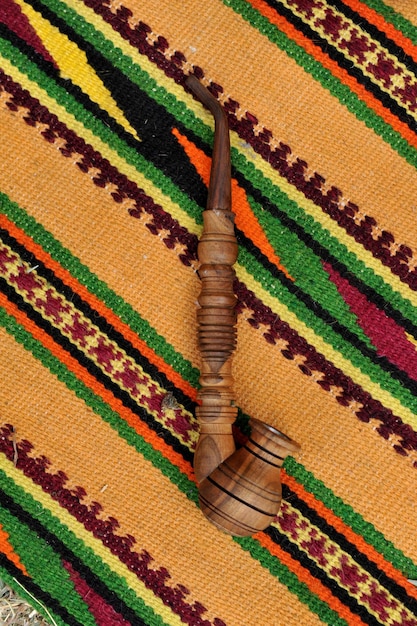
[219,192]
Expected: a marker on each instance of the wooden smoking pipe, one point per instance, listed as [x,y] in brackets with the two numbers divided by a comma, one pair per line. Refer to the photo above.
[239,490]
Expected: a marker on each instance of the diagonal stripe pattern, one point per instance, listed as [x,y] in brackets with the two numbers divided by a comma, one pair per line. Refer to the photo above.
[105,160]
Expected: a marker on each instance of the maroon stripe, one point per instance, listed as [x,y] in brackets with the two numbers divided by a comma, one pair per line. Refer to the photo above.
[12,16]
[389,339]
[103,613]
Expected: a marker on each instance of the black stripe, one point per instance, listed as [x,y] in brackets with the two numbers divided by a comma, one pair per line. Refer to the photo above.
[316,308]
[37,592]
[383,362]
[346,64]
[323,253]
[161,122]
[96,372]
[368,565]
[312,305]
[50,70]
[319,250]
[109,595]
[151,121]
[262,458]
[235,497]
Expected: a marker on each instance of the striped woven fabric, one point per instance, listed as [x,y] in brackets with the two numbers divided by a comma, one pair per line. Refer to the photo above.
[105,159]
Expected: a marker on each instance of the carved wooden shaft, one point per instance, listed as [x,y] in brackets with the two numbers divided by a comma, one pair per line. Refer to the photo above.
[217,252]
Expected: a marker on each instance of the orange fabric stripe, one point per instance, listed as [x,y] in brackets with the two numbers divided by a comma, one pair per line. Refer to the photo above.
[7,549]
[337,71]
[347,532]
[245,220]
[99,306]
[312,583]
[134,422]
[377,20]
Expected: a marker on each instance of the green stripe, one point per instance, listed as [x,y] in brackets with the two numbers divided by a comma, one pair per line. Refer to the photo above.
[326,79]
[280,571]
[159,461]
[159,344]
[113,581]
[45,566]
[296,256]
[188,487]
[351,518]
[313,67]
[329,82]
[402,24]
[96,126]
[315,486]
[100,407]
[99,288]
[116,56]
[186,369]
[205,132]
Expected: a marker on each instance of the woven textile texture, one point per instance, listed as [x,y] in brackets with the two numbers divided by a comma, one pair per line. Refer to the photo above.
[105,160]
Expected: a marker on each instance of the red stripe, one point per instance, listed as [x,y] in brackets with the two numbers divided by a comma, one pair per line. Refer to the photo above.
[314,584]
[388,338]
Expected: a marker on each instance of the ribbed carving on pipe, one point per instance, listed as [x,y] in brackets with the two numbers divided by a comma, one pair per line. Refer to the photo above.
[216,316]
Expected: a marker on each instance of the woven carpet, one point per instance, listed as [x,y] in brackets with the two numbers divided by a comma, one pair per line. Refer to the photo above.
[105,159]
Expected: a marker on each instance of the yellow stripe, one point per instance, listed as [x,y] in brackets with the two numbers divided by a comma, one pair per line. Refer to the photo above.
[73,64]
[91,542]
[326,222]
[308,206]
[185,220]
[399,81]
[412,340]
[333,560]
[91,341]
[133,54]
